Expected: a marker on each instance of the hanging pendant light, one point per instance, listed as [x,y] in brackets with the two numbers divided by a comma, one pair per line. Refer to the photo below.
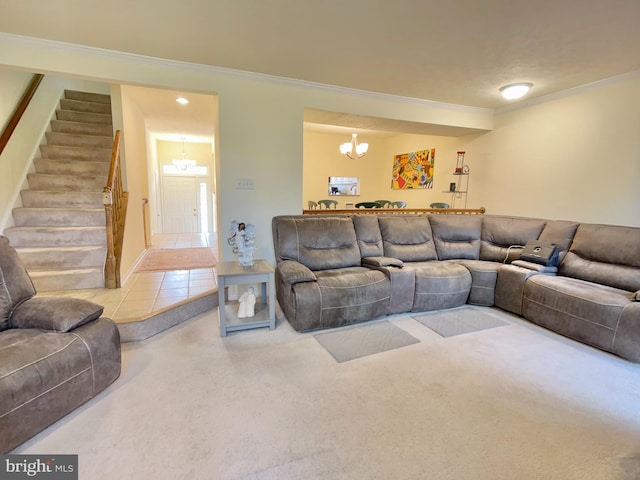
[183,163]
[353,149]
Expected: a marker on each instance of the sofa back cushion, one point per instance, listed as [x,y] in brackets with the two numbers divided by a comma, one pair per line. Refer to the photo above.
[407,237]
[318,242]
[504,237]
[560,233]
[15,283]
[369,236]
[456,236]
[605,254]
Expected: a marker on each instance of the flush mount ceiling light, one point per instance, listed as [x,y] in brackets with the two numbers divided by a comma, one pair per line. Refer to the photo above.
[353,149]
[182,100]
[515,90]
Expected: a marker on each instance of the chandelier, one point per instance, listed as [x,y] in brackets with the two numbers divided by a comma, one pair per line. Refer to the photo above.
[183,163]
[353,149]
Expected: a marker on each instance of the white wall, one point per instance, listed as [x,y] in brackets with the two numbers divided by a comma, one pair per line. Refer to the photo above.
[134,143]
[14,84]
[574,158]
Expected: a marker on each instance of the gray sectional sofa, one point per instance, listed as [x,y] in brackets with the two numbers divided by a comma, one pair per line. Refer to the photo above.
[334,270]
[56,353]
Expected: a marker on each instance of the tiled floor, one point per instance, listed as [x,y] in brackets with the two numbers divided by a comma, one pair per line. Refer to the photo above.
[147,293]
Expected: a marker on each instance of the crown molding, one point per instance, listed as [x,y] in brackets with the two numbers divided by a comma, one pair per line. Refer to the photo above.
[32,42]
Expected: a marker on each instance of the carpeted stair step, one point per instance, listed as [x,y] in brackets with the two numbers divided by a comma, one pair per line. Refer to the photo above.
[80,128]
[71,116]
[42,258]
[86,183]
[55,236]
[68,279]
[85,107]
[71,167]
[73,140]
[69,217]
[58,152]
[59,230]
[53,199]
[87,97]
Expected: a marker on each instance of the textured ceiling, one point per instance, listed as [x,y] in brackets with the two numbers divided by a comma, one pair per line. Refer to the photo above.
[455,51]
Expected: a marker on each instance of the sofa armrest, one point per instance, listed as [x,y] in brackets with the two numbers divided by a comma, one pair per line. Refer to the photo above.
[382,262]
[401,279]
[534,266]
[293,272]
[59,314]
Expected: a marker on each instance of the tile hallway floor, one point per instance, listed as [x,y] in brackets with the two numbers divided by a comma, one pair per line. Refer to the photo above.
[146,293]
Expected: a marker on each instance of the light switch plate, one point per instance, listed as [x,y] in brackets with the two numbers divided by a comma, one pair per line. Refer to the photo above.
[244,184]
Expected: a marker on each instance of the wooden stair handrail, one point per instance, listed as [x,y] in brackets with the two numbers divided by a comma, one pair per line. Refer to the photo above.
[19,111]
[115,208]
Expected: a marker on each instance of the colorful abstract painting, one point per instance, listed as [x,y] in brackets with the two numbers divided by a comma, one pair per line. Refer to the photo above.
[413,170]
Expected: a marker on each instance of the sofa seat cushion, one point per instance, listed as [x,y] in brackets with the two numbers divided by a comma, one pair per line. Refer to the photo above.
[51,371]
[439,285]
[585,311]
[340,297]
[483,280]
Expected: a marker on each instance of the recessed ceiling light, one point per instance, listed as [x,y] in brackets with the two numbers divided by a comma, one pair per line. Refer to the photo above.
[182,100]
[515,90]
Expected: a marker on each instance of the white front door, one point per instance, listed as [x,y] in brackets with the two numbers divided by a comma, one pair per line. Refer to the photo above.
[180,205]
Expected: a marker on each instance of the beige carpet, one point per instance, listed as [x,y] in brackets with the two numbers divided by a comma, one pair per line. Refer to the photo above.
[513,403]
[357,341]
[176,259]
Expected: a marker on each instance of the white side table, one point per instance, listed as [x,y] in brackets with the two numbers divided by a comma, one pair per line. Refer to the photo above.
[231,273]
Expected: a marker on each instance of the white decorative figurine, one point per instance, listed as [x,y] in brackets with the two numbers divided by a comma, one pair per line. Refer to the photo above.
[247,304]
[242,241]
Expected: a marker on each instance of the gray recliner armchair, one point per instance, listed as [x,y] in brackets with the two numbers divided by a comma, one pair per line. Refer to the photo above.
[56,353]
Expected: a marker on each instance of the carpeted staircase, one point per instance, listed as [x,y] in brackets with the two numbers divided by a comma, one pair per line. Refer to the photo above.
[60,229]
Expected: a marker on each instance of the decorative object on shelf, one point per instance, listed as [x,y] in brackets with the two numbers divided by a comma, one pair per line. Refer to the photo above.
[460,162]
[439,205]
[242,242]
[353,149]
[246,307]
[413,170]
[452,187]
